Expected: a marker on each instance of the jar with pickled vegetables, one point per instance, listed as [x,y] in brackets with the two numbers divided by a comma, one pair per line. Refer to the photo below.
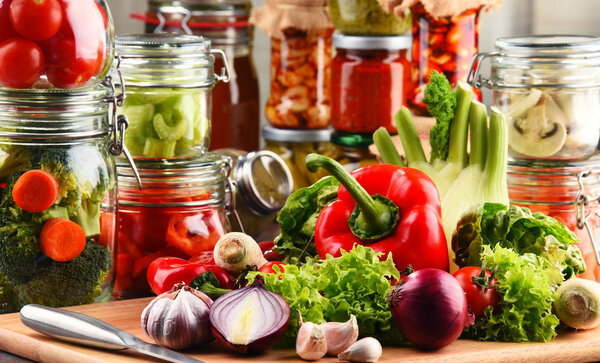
[366,17]
[567,191]
[369,79]
[294,145]
[225,22]
[549,87]
[300,62]
[352,150]
[54,44]
[180,212]
[444,44]
[169,79]
[57,197]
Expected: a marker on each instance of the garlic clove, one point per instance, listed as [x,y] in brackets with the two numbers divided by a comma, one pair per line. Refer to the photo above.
[339,336]
[365,350]
[310,342]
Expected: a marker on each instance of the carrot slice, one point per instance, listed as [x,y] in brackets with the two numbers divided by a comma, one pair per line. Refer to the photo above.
[35,191]
[61,239]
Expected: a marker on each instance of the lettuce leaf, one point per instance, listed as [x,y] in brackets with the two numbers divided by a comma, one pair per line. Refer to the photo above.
[526,283]
[332,289]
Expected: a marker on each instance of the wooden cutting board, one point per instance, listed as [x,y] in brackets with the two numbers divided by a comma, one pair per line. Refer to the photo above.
[583,346]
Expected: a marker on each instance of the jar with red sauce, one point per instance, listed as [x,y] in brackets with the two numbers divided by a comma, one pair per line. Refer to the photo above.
[444,44]
[567,191]
[180,212]
[369,79]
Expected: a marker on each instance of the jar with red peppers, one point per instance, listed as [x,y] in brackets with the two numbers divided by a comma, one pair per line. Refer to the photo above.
[235,106]
[444,44]
[569,192]
[369,79]
[300,62]
[181,212]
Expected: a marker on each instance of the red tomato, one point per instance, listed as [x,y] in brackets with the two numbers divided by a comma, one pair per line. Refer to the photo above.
[269,252]
[6,29]
[268,267]
[472,289]
[103,14]
[36,19]
[21,63]
[66,69]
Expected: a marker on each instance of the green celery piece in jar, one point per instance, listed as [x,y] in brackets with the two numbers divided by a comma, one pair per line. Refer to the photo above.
[156,148]
[172,131]
[201,121]
[138,116]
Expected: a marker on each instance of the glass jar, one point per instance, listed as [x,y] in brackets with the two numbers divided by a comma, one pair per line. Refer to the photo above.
[365,17]
[352,150]
[368,81]
[225,22]
[549,87]
[294,145]
[300,80]
[180,212]
[73,48]
[567,191]
[169,79]
[446,45]
[56,248]
[261,182]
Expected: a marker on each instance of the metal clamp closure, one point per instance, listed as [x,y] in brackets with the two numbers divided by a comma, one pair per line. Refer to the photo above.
[581,201]
[225,71]
[230,192]
[187,15]
[474,78]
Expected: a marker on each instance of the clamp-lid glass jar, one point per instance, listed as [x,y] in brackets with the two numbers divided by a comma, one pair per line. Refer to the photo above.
[169,79]
[57,196]
[369,76]
[180,212]
[567,191]
[225,23]
[352,150]
[60,44]
[549,87]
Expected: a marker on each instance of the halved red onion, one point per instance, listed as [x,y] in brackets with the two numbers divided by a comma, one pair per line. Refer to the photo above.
[250,319]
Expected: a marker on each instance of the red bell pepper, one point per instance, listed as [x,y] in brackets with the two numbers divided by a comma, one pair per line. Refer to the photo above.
[165,272]
[386,207]
[269,251]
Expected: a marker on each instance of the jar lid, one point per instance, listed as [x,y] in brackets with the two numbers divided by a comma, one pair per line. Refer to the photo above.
[271,133]
[361,141]
[549,45]
[264,181]
[372,42]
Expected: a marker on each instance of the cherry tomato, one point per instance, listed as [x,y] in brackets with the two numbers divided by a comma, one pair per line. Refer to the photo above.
[472,289]
[21,63]
[268,267]
[269,252]
[66,69]
[6,29]
[36,19]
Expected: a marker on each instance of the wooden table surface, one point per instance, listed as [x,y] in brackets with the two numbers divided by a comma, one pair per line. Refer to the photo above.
[583,346]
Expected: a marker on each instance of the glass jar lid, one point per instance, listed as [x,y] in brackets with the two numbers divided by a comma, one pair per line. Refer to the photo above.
[295,136]
[371,42]
[167,60]
[361,141]
[550,45]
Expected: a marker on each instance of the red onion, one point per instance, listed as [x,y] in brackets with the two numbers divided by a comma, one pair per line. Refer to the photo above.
[250,319]
[430,308]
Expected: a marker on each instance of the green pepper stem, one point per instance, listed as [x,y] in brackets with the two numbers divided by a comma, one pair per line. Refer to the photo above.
[386,148]
[378,216]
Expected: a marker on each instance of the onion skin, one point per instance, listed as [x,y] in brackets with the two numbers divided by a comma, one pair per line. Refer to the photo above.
[430,308]
[219,318]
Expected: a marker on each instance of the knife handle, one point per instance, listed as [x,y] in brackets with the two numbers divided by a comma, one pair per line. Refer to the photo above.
[73,327]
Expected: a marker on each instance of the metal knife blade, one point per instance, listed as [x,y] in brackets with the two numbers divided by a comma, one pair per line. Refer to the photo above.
[83,329]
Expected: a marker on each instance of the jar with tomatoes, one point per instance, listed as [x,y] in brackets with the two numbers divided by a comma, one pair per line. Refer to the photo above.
[225,23]
[180,212]
[369,79]
[54,43]
[57,197]
[567,191]
[169,80]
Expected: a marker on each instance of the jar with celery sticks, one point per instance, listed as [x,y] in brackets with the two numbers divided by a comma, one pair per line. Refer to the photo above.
[169,80]
[567,191]
[58,196]
[549,87]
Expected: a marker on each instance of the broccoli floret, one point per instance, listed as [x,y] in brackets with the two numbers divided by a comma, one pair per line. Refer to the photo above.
[68,283]
[13,159]
[441,103]
[8,299]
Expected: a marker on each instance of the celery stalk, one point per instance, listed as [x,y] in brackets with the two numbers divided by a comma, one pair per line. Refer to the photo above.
[386,148]
[407,131]
[478,131]
[457,151]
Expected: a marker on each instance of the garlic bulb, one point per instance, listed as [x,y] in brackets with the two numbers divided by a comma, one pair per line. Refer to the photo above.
[364,350]
[310,342]
[340,336]
[178,319]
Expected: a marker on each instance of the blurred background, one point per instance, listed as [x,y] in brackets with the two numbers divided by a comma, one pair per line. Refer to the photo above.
[515,17]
